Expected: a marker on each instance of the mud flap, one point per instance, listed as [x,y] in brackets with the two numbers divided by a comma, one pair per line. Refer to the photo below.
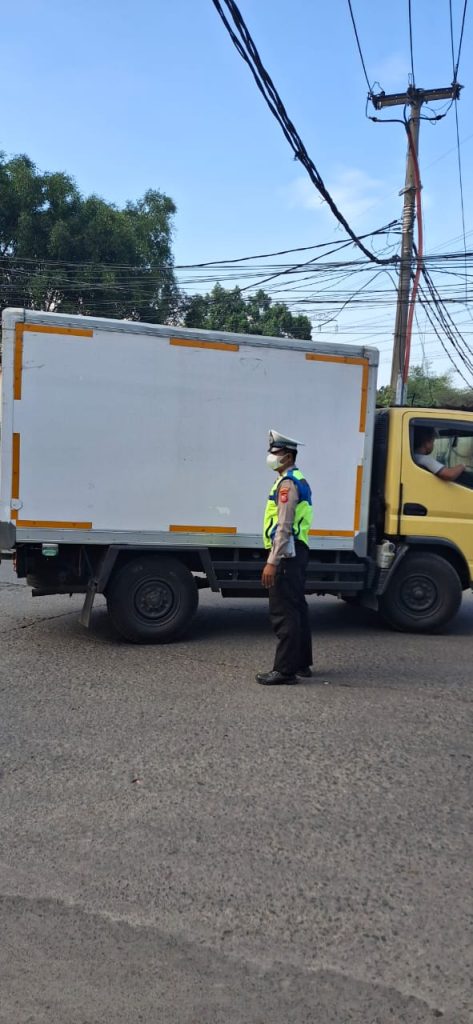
[88,604]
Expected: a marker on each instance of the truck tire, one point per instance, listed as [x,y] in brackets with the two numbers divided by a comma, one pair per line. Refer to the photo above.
[152,600]
[423,595]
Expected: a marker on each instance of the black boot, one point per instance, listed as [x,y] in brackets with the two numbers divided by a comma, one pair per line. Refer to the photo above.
[275,678]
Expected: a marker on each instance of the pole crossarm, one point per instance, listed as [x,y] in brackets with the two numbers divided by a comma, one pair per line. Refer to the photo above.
[413,95]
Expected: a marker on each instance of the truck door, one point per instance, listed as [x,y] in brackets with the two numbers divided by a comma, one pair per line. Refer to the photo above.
[430,506]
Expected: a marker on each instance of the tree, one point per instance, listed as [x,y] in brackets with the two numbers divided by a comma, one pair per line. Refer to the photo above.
[429,391]
[63,252]
[225,309]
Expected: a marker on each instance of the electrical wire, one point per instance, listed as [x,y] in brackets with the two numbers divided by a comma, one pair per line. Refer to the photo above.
[410,42]
[448,151]
[448,325]
[352,16]
[462,203]
[350,299]
[245,46]
[386,228]
[458,149]
[450,12]
[430,317]
[457,62]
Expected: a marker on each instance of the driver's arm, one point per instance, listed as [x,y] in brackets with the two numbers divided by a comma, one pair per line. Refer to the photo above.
[451,473]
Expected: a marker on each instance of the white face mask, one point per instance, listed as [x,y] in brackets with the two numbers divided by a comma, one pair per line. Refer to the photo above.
[275,461]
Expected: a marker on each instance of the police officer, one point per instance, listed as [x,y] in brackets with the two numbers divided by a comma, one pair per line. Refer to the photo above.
[287,521]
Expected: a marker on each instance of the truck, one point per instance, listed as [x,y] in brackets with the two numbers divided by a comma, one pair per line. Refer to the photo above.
[132,465]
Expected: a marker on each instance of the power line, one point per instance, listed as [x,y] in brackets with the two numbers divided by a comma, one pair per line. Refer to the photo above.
[459,162]
[462,204]
[245,46]
[315,258]
[457,62]
[359,45]
[448,324]
[442,342]
[91,264]
[450,12]
[350,298]
[410,42]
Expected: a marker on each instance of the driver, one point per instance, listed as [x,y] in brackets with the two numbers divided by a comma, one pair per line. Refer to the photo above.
[424,438]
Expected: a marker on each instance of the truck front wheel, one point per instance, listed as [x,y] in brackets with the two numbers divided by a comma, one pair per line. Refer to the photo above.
[424,593]
[152,600]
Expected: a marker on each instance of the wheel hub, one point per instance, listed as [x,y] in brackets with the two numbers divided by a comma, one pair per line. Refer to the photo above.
[419,593]
[153,599]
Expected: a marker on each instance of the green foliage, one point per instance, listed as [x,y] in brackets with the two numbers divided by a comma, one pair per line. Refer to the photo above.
[225,309]
[63,252]
[428,391]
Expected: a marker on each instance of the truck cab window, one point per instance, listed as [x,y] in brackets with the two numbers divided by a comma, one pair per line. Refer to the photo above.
[444,445]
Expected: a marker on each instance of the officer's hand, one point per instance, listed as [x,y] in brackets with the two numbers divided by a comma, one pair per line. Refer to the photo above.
[268,578]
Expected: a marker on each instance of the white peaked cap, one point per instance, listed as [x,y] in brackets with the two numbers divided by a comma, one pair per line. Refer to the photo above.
[277,440]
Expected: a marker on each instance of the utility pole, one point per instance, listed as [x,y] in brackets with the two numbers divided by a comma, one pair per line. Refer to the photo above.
[413,98]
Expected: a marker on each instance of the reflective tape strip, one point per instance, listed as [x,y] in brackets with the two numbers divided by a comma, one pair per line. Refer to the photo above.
[223,346]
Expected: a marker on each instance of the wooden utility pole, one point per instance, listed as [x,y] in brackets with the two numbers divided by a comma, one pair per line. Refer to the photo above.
[413,98]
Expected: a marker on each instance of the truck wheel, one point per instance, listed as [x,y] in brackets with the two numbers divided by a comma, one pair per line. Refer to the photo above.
[152,600]
[424,594]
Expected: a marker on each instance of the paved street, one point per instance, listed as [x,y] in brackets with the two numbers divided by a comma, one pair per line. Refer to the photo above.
[181,846]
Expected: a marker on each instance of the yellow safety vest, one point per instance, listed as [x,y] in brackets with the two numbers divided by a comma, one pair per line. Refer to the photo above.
[303,513]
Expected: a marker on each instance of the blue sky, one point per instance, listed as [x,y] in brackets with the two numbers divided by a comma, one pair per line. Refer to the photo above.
[127,96]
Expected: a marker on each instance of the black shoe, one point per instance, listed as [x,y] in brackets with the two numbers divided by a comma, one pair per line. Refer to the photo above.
[275,679]
[305,673]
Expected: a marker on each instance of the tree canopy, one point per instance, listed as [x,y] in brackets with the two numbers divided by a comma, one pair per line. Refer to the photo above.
[64,252]
[429,391]
[61,251]
[225,309]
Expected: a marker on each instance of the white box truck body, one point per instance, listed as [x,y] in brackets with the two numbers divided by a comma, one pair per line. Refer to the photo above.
[126,443]
[118,432]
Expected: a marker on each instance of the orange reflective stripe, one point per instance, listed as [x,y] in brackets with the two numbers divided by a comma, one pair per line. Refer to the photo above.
[46,524]
[358,489]
[15,473]
[202,529]
[223,346]
[18,362]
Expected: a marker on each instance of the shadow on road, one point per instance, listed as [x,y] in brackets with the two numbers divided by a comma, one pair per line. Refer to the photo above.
[224,619]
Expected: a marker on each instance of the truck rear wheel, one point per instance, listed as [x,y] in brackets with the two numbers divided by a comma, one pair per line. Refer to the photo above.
[424,593]
[151,600]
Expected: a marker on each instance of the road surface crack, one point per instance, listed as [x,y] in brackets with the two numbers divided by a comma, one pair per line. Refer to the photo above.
[37,622]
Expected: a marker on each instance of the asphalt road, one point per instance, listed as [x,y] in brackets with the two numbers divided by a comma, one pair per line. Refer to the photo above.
[182,846]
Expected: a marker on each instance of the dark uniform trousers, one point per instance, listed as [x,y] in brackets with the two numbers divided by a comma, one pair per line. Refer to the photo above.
[289,613]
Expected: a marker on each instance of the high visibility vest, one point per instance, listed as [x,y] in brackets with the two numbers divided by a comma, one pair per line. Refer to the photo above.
[303,513]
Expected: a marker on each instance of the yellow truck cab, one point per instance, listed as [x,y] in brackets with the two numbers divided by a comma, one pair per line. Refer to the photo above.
[423,523]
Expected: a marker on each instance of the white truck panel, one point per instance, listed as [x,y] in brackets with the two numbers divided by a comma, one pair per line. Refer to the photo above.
[134,434]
